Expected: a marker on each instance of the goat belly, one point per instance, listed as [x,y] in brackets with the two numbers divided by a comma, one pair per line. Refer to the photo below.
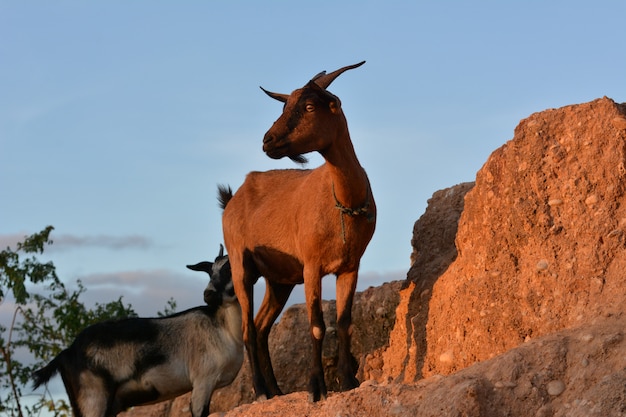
[157,384]
[129,395]
[278,266]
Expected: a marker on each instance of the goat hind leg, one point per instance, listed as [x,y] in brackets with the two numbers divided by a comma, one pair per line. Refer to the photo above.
[93,397]
[346,286]
[276,296]
[243,282]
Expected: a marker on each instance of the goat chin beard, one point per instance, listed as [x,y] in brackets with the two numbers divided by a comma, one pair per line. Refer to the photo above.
[278,154]
[299,159]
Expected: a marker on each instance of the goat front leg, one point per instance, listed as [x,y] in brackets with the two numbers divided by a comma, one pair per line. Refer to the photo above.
[313,294]
[201,397]
[346,287]
[276,296]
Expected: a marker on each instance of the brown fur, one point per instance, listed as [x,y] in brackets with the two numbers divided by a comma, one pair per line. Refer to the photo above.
[284,225]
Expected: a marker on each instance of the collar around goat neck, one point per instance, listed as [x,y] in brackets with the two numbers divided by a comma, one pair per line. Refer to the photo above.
[353,212]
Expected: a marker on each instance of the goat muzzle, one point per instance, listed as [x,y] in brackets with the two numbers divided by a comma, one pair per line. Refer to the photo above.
[212,297]
[270,146]
[267,139]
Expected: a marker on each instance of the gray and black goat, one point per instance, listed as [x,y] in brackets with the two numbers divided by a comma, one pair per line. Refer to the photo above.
[117,364]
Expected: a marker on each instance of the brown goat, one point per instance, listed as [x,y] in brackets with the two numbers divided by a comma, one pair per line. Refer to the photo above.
[295,226]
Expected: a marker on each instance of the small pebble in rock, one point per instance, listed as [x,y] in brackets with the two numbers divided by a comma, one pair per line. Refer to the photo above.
[619,122]
[505,384]
[587,337]
[447,357]
[542,265]
[368,383]
[591,200]
[556,388]
[555,202]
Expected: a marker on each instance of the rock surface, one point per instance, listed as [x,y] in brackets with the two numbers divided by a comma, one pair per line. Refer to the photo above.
[570,373]
[541,239]
[515,304]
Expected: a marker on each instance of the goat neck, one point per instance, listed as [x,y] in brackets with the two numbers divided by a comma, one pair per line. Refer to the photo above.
[349,180]
[230,314]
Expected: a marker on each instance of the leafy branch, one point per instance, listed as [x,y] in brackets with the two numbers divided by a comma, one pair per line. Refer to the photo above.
[43,322]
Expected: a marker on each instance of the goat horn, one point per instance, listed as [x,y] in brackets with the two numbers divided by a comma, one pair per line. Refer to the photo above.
[318,75]
[323,80]
[276,96]
[221,251]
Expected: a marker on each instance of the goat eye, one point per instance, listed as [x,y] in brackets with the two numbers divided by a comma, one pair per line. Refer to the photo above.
[310,107]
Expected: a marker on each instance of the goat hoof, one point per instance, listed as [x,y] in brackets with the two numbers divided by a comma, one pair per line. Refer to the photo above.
[317,390]
[349,383]
[274,392]
[313,397]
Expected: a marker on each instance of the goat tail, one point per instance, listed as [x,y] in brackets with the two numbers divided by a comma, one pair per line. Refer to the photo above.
[224,194]
[43,375]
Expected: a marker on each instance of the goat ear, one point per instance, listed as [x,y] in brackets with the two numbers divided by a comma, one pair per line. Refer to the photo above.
[315,87]
[202,266]
[322,93]
[276,96]
[333,101]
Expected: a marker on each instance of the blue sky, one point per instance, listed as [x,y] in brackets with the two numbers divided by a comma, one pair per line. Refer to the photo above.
[118,119]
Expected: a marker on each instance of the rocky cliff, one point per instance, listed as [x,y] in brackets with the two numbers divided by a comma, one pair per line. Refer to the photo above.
[541,241]
[515,301]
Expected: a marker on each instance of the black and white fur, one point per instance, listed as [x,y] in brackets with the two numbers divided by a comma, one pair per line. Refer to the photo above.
[114,365]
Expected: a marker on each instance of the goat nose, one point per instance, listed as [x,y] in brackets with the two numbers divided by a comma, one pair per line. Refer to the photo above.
[209,290]
[209,295]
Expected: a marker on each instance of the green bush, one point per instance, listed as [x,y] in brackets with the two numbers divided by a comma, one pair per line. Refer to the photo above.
[46,319]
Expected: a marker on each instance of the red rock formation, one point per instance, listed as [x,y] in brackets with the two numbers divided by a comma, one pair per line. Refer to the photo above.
[579,372]
[541,241]
[433,252]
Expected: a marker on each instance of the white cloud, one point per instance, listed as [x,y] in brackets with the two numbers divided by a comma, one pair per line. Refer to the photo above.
[146,290]
[69,241]
[10,240]
[375,279]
